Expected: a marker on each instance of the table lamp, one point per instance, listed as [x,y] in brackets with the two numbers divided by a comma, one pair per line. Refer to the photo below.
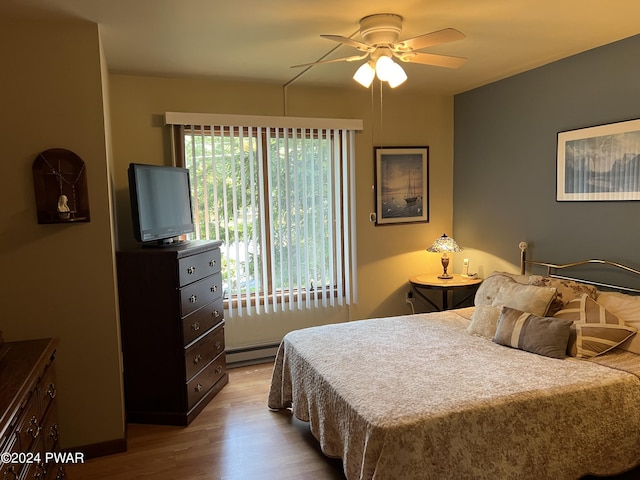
[444,245]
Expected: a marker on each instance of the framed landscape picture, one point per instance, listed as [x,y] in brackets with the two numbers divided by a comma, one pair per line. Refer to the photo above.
[402,184]
[599,163]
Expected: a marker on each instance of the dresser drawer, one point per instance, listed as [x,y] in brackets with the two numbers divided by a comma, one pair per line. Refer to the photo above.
[195,267]
[201,293]
[202,320]
[34,471]
[28,429]
[171,300]
[55,472]
[199,385]
[47,390]
[30,367]
[10,470]
[206,349]
[50,430]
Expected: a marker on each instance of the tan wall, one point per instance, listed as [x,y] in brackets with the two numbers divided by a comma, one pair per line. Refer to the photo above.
[387,255]
[58,280]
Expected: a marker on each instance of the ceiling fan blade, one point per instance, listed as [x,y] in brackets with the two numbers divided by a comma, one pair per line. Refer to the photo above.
[432,59]
[347,41]
[333,60]
[429,39]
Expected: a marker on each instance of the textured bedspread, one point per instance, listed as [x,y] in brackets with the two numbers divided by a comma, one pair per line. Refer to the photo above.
[418,397]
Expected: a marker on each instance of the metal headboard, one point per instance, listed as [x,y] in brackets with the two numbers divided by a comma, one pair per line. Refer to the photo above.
[552,270]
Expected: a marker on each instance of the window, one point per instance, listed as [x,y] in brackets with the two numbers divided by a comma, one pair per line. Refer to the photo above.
[278,197]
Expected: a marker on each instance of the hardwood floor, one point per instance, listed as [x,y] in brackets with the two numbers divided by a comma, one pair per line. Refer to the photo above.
[236,437]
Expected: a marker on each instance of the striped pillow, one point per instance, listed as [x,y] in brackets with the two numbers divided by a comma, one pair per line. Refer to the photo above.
[542,335]
[627,308]
[595,330]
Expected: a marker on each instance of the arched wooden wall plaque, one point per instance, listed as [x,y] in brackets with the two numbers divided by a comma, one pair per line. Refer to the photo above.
[60,181]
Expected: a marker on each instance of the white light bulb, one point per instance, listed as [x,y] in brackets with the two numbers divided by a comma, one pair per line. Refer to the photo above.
[384,66]
[397,76]
[364,75]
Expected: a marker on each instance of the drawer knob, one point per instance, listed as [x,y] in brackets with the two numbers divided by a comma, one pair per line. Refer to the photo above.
[195,326]
[218,369]
[218,345]
[53,433]
[198,387]
[196,359]
[10,474]
[214,288]
[34,429]
[193,299]
[215,314]
[213,263]
[51,391]
[191,270]
[61,474]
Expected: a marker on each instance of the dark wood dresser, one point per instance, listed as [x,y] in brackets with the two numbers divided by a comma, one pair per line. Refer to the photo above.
[29,431]
[172,329]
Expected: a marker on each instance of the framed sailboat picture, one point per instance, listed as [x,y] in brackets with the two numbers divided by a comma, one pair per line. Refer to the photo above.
[402,185]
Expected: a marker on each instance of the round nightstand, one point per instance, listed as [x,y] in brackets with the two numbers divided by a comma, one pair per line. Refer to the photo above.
[430,281]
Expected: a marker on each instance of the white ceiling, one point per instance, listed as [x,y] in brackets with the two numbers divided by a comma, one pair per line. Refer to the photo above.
[258,40]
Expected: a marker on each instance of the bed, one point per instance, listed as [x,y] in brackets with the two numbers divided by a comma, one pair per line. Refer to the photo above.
[500,390]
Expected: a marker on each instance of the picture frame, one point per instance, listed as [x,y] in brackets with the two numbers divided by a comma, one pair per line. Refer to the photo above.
[401,185]
[600,163]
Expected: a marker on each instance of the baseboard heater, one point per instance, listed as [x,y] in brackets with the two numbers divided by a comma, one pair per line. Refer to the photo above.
[239,357]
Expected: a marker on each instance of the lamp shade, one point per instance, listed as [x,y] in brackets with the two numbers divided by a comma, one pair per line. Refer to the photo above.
[397,76]
[364,75]
[384,68]
[444,244]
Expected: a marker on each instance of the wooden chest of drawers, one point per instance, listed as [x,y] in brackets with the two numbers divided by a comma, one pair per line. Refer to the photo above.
[172,328]
[28,411]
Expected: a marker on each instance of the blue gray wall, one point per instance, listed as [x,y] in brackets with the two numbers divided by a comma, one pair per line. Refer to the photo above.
[505,159]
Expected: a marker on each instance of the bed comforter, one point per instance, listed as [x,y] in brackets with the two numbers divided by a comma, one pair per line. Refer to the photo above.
[419,397]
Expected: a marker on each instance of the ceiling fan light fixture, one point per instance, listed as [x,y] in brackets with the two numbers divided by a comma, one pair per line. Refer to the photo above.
[397,76]
[380,33]
[384,68]
[364,75]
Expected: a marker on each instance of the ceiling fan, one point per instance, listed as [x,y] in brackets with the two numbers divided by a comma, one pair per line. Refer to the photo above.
[380,33]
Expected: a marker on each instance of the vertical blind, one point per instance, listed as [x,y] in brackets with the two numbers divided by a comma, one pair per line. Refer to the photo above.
[280,197]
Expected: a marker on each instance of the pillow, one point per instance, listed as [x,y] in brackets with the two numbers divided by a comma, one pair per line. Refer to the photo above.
[595,330]
[526,298]
[566,290]
[484,321]
[489,287]
[525,331]
[626,308]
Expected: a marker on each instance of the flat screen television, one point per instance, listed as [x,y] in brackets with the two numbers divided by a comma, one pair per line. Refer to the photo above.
[161,207]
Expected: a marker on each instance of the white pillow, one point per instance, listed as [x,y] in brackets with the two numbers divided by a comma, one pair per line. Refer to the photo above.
[627,309]
[526,298]
[484,321]
[489,287]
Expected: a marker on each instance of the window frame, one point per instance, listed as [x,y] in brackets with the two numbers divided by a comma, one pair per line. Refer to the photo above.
[275,296]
